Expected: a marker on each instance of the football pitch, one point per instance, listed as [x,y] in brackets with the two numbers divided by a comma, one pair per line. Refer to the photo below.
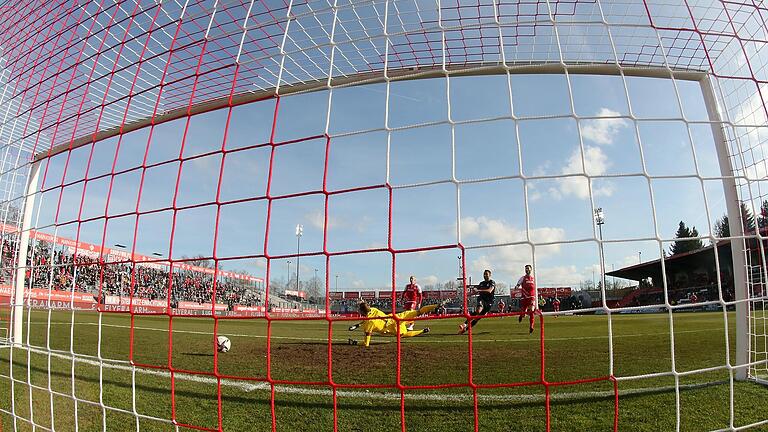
[55,392]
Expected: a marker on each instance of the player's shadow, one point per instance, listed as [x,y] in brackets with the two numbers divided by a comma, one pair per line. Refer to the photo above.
[307,343]
[474,333]
[198,354]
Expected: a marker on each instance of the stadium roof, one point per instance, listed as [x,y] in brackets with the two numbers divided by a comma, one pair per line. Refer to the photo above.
[704,257]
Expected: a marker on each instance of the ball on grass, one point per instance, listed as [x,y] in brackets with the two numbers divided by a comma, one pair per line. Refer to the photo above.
[223,344]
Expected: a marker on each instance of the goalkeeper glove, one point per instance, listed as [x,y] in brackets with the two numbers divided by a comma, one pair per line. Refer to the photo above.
[354,327]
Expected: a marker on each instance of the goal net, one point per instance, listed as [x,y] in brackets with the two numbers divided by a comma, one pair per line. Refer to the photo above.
[197,197]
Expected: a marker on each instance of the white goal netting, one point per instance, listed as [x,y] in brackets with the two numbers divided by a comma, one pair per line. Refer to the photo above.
[175,171]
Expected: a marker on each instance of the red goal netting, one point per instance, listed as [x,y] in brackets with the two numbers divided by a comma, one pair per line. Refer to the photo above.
[163,162]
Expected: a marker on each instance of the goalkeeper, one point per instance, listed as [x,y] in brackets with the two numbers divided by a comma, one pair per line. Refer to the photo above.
[386,324]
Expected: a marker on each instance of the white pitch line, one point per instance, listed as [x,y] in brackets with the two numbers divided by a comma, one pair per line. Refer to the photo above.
[424,339]
[311,391]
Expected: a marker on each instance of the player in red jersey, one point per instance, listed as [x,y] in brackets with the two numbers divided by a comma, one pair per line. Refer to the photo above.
[502,307]
[556,305]
[412,298]
[528,300]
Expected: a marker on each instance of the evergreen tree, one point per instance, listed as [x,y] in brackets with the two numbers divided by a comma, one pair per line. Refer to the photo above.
[747,219]
[722,229]
[682,246]
[762,220]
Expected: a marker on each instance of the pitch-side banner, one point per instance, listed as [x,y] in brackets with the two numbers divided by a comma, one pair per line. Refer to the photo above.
[547,292]
[53,299]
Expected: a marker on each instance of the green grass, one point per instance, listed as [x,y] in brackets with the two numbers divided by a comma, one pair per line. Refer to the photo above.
[576,348]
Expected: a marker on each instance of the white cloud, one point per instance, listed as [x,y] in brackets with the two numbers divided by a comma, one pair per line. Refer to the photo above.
[428,280]
[507,260]
[603,131]
[547,235]
[595,163]
[471,226]
[568,275]
[559,276]
[630,260]
[317,220]
[481,263]
[207,163]
[491,229]
[363,223]
[533,194]
[498,231]
[358,283]
[310,271]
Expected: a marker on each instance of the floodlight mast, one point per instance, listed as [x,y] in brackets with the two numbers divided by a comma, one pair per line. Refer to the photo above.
[600,221]
[299,233]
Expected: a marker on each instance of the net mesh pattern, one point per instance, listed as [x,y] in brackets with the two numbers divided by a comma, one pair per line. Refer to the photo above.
[78,78]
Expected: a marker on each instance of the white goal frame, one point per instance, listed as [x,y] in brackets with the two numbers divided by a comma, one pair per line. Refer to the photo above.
[741,301]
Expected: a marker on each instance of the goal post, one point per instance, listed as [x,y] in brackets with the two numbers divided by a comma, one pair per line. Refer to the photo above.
[24,243]
[733,204]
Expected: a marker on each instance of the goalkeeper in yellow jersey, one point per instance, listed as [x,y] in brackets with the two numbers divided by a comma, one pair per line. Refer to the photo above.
[386,324]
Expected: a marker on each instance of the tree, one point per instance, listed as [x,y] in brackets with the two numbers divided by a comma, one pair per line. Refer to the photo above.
[762,220]
[502,289]
[682,246]
[277,286]
[198,261]
[315,286]
[450,285]
[12,214]
[722,229]
[747,219]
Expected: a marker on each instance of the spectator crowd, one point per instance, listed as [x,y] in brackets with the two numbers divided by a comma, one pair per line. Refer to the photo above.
[61,270]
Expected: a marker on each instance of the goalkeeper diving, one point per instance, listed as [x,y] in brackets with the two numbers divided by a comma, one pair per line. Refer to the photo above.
[387,324]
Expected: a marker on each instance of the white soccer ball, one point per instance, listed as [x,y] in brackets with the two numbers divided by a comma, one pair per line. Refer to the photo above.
[223,344]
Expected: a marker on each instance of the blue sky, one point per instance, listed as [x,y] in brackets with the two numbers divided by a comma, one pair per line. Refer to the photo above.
[438,129]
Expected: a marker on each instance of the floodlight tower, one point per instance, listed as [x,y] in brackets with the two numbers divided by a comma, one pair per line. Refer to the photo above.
[299,232]
[600,220]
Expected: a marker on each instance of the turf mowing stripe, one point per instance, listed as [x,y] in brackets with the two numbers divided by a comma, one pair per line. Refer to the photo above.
[412,340]
[305,391]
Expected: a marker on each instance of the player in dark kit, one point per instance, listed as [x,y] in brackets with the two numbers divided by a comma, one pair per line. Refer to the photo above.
[485,295]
